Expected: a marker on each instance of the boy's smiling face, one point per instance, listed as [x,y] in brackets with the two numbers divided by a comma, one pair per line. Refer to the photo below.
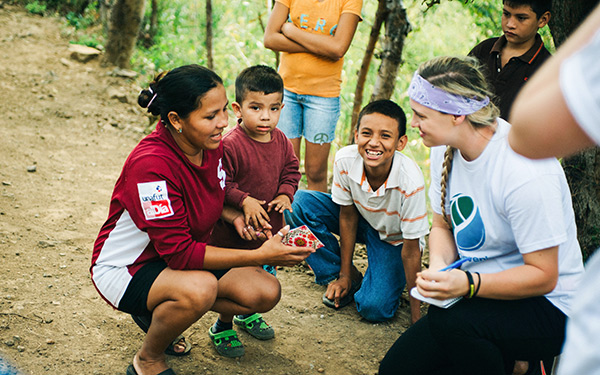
[520,23]
[259,113]
[378,139]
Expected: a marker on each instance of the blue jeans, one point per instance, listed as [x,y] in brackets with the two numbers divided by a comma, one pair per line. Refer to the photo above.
[384,280]
[313,117]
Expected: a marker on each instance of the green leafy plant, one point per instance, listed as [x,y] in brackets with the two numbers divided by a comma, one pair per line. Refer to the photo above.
[36,7]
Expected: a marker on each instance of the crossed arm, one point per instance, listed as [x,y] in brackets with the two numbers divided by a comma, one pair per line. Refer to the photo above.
[284,36]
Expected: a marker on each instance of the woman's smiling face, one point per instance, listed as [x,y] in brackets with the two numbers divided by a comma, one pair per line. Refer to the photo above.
[434,126]
[203,128]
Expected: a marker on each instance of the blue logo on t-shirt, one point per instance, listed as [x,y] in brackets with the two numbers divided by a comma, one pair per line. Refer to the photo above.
[469,231]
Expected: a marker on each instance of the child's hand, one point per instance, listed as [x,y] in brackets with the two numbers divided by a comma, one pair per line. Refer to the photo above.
[280,204]
[254,214]
[248,232]
[337,289]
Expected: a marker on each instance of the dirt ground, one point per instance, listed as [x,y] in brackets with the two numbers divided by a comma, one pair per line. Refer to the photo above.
[63,141]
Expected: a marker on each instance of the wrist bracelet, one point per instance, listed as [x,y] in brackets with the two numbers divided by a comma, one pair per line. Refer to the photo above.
[471,291]
[478,284]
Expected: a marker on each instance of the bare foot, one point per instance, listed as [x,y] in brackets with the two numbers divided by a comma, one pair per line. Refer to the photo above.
[180,346]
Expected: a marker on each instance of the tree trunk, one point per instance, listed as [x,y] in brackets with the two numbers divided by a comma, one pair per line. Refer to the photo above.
[566,16]
[125,21]
[583,169]
[583,174]
[153,20]
[396,30]
[209,35]
[380,16]
[105,6]
[149,27]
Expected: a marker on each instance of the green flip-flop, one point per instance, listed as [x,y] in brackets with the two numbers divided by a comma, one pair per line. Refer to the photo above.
[227,343]
[256,326]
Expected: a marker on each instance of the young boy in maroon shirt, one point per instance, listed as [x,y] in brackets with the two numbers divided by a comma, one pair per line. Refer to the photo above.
[261,178]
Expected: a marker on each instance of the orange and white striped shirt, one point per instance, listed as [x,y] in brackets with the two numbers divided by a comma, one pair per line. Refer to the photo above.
[397,210]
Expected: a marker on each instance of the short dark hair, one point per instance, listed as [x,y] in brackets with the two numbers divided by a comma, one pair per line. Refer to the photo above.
[387,108]
[539,6]
[257,78]
[180,90]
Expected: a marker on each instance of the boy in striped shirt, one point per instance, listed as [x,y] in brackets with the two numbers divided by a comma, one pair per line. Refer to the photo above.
[377,198]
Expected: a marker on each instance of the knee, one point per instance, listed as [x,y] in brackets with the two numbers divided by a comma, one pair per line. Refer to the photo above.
[373,311]
[200,292]
[267,296]
[316,172]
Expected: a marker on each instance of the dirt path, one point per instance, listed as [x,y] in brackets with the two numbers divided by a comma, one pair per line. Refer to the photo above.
[59,120]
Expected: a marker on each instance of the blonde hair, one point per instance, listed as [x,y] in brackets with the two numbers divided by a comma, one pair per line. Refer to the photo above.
[459,76]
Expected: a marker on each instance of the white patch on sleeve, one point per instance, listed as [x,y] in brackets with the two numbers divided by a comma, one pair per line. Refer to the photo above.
[155,200]
[221,174]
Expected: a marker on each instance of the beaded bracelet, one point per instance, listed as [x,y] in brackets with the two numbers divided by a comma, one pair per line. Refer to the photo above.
[471,292]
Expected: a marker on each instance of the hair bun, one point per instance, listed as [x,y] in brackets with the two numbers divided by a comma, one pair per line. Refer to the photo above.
[145,97]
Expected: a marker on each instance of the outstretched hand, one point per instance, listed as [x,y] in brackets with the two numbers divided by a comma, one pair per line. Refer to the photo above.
[277,254]
[280,203]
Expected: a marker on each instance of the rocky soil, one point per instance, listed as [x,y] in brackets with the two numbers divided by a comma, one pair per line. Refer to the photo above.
[66,129]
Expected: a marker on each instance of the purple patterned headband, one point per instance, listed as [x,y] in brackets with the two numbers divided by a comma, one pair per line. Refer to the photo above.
[424,93]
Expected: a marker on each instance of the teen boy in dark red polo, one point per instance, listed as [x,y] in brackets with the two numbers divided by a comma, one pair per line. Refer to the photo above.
[511,59]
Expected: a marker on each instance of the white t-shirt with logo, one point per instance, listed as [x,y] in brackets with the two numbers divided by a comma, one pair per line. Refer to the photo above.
[504,205]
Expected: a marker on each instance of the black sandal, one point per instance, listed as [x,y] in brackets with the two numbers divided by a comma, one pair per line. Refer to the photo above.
[143,321]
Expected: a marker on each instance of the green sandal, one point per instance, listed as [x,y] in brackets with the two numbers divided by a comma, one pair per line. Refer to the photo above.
[227,343]
[256,326]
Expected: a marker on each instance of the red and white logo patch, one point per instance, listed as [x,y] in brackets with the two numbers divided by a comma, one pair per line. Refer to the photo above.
[155,200]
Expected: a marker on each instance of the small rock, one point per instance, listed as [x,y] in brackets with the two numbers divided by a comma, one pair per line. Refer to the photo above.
[44,244]
[125,73]
[9,343]
[20,348]
[114,93]
[49,341]
[83,53]
[66,62]
[6,183]
[32,168]
[321,370]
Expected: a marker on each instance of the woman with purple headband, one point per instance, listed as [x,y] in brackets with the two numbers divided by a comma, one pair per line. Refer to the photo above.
[509,216]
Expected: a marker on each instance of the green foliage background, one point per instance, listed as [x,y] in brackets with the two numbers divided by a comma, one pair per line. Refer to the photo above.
[449,28]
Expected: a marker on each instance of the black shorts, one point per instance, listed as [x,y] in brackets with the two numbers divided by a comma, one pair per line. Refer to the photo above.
[135,299]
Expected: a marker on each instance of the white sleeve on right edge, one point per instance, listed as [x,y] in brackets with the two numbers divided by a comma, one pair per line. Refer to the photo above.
[580,85]
[580,352]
